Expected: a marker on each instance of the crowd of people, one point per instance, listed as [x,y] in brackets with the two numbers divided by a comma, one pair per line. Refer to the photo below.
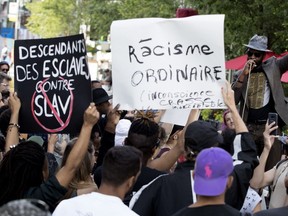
[130,163]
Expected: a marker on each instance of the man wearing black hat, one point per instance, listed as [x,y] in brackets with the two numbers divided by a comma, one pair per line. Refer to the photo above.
[169,193]
[258,89]
[105,127]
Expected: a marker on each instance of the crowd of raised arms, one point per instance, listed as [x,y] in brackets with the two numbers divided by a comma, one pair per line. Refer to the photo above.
[131,163]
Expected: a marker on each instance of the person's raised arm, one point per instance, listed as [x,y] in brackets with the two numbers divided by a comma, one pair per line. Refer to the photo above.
[12,137]
[66,173]
[229,100]
[168,160]
[260,177]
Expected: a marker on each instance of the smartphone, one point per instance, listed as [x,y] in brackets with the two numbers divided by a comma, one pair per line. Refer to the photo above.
[273,117]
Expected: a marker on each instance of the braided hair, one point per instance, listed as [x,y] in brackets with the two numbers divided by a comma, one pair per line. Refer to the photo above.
[144,135]
[21,169]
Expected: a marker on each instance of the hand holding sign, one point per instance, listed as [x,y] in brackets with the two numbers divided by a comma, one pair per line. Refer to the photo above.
[113,118]
[91,115]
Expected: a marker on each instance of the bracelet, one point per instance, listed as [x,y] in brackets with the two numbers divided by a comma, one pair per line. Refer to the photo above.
[239,81]
[10,125]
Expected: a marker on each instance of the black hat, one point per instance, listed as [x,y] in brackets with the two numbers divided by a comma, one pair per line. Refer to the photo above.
[203,135]
[100,96]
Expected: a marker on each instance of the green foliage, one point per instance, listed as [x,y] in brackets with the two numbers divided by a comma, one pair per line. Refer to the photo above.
[53,18]
[245,18]
[149,8]
[208,114]
[100,14]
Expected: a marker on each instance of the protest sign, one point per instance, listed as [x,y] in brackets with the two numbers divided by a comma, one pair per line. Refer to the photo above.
[168,63]
[53,83]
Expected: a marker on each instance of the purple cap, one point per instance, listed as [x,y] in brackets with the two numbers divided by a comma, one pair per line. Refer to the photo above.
[212,169]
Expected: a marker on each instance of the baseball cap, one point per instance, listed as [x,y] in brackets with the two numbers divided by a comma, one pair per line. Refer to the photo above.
[201,135]
[121,131]
[212,169]
[100,96]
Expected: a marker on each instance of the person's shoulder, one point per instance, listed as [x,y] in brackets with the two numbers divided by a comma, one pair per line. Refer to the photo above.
[277,211]
[70,206]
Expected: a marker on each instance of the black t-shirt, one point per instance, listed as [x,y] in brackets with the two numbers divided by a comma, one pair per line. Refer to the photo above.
[215,210]
[49,191]
[274,212]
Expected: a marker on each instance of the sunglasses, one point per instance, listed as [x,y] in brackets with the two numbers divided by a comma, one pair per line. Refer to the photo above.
[256,54]
[5,69]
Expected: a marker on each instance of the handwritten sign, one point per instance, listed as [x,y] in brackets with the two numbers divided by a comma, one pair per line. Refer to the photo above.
[168,63]
[53,83]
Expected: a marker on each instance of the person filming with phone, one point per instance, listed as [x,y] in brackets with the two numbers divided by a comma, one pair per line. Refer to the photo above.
[259,91]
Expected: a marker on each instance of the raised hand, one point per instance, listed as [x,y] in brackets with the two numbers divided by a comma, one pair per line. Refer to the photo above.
[269,139]
[14,102]
[228,96]
[91,115]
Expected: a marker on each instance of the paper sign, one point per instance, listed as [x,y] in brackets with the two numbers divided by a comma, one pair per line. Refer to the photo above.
[53,83]
[168,63]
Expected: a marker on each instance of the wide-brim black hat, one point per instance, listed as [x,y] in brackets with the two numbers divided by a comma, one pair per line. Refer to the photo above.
[100,96]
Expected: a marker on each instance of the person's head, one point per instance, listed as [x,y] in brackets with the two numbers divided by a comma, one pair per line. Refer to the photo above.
[25,207]
[84,171]
[4,82]
[228,120]
[121,165]
[4,67]
[23,167]
[257,48]
[121,131]
[144,135]
[200,135]
[101,100]
[96,84]
[212,173]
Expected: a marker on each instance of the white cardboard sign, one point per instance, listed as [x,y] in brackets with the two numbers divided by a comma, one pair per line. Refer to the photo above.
[168,63]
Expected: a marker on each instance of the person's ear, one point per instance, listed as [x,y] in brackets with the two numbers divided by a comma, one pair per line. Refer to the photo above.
[229,182]
[130,182]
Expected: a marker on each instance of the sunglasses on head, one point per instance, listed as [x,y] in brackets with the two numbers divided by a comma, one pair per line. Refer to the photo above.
[256,54]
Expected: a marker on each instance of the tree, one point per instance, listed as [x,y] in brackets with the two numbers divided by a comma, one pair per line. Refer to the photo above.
[149,8]
[53,18]
[244,18]
[101,13]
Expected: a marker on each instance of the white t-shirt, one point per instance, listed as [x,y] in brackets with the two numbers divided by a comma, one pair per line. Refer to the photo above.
[93,204]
